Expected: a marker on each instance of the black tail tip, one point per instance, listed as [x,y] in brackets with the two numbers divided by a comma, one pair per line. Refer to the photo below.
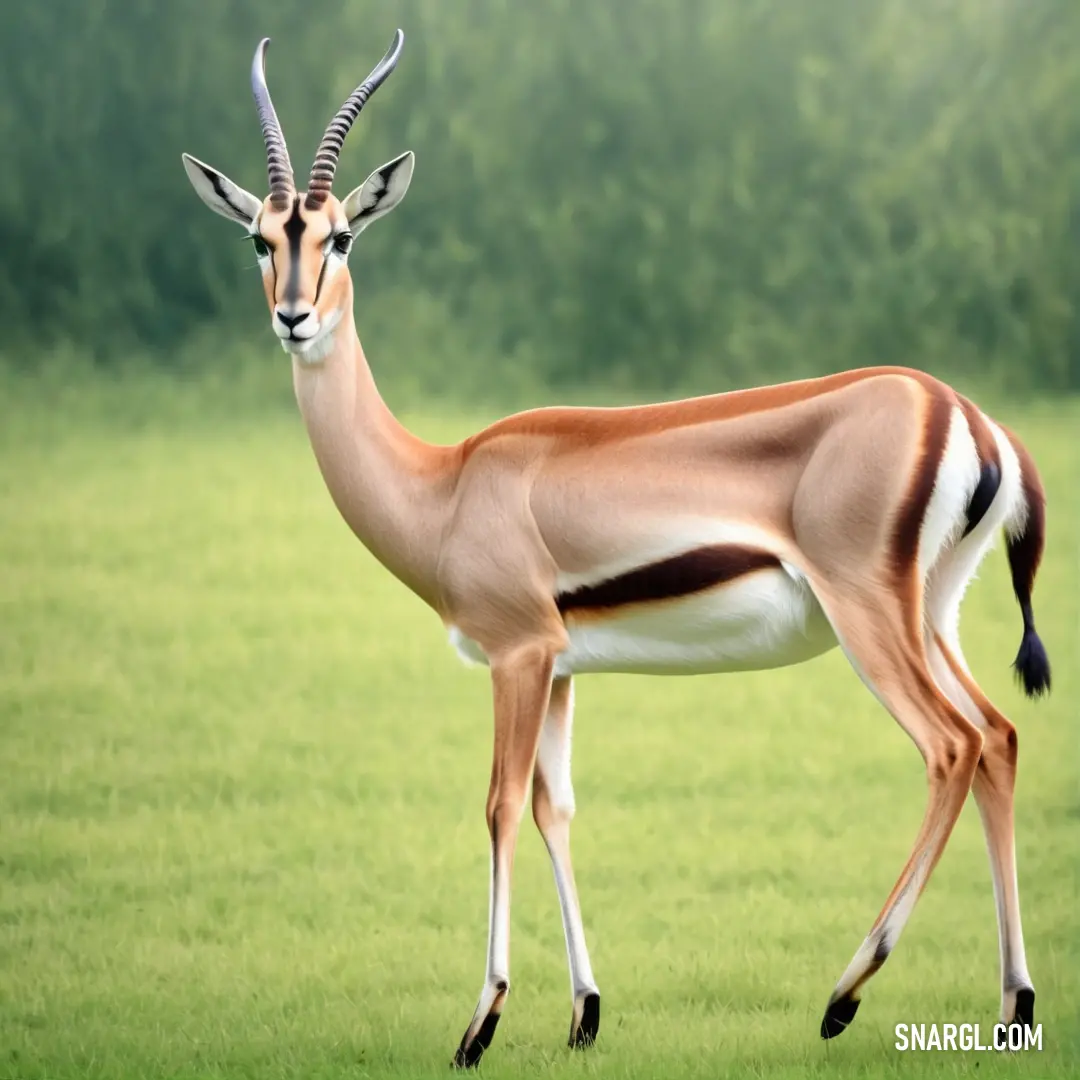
[1032,665]
[838,1017]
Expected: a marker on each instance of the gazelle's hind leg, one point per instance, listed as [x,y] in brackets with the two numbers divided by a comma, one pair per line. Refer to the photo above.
[995,777]
[995,780]
[884,646]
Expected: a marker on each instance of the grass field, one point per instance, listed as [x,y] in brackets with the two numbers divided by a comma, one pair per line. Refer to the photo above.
[241,813]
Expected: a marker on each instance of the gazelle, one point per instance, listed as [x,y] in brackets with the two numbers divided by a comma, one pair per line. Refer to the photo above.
[740,531]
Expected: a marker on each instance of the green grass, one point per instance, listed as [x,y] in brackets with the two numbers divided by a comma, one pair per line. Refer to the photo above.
[243,779]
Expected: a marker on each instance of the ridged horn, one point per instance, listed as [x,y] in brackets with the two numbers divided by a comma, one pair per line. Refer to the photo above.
[326,158]
[278,166]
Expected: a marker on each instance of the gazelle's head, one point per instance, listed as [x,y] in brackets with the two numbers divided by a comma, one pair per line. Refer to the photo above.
[302,239]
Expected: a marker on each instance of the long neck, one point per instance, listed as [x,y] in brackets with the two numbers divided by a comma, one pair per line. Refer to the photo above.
[392,488]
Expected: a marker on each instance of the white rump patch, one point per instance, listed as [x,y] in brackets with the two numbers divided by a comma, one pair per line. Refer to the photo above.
[955,483]
[1012,484]
[956,567]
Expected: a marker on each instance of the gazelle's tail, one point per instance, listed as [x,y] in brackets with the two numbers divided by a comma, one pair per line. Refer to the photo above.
[1025,537]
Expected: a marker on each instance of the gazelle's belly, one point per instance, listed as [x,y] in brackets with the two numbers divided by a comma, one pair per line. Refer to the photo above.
[764,619]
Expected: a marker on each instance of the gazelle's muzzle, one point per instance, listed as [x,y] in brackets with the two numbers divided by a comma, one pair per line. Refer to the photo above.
[296,322]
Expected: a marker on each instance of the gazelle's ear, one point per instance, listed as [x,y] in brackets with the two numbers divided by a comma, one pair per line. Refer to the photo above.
[220,193]
[379,193]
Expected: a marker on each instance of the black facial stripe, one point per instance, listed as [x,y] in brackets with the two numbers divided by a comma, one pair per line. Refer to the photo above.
[294,230]
[219,191]
[322,274]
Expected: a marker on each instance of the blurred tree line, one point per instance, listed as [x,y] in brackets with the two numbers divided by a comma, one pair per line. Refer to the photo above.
[637,194]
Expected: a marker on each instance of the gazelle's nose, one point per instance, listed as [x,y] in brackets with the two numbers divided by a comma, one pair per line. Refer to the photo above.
[292,321]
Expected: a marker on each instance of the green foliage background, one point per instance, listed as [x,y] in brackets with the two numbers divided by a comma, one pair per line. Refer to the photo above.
[633,194]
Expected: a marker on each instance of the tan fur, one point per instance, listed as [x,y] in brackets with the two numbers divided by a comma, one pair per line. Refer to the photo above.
[271,226]
[833,476]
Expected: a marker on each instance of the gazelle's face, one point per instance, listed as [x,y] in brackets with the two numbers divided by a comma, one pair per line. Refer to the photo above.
[302,240]
[303,256]
[303,253]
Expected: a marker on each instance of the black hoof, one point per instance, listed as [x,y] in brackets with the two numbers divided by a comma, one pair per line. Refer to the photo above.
[590,1023]
[838,1016]
[468,1055]
[1024,1015]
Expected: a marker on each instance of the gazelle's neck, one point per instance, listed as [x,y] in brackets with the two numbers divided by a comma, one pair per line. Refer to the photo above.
[392,488]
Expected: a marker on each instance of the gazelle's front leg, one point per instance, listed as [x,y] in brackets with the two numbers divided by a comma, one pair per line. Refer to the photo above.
[521,684]
[553,809]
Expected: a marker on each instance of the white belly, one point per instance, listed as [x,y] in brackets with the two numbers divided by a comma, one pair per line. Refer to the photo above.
[766,619]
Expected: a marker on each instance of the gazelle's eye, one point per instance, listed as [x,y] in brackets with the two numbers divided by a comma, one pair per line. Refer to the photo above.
[342,242]
[262,249]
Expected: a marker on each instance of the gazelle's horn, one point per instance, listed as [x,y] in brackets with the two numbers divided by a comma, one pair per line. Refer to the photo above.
[326,158]
[278,166]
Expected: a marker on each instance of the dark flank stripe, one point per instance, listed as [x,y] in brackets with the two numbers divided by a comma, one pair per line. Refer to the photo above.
[693,571]
[913,510]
